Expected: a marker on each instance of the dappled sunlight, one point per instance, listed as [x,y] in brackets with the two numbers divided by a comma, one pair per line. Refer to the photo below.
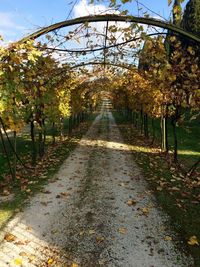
[25,246]
[188,153]
[119,146]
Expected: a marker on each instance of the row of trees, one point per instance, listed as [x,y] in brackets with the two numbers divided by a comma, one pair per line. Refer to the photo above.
[36,90]
[162,86]
[167,80]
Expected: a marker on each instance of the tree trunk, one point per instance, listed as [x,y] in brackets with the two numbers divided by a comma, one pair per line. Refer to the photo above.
[146,128]
[34,149]
[41,139]
[70,124]
[53,133]
[141,121]
[61,129]
[173,122]
[15,154]
[6,153]
[153,130]
[163,128]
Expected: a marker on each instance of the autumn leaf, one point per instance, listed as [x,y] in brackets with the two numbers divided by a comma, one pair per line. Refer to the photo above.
[23,254]
[145,211]
[99,239]
[91,232]
[50,261]
[122,230]
[193,241]
[18,262]
[159,188]
[10,237]
[74,265]
[131,202]
[168,238]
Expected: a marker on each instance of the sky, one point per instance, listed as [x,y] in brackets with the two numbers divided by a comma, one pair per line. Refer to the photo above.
[21,17]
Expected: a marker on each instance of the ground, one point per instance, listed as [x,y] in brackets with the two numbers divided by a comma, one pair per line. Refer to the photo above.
[97,211]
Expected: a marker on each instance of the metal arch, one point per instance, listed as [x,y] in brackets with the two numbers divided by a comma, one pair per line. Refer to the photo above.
[112,17]
[123,66]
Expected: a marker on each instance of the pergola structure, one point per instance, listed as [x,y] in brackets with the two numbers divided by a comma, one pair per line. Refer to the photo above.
[122,44]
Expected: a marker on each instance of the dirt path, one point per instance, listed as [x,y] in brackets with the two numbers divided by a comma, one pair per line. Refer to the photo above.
[97,211]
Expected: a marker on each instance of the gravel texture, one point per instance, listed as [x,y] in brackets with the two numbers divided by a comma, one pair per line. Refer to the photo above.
[97,211]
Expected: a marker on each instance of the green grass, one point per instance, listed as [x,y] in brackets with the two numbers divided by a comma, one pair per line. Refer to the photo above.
[45,170]
[188,139]
[179,196]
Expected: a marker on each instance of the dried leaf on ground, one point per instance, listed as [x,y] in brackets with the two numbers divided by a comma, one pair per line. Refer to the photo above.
[145,211]
[50,261]
[91,232]
[168,238]
[193,241]
[18,262]
[10,237]
[122,230]
[99,239]
[131,202]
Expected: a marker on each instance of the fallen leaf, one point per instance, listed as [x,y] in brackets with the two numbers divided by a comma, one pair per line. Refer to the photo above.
[64,194]
[193,241]
[145,211]
[6,193]
[131,202]
[91,232]
[10,237]
[20,242]
[18,262]
[28,190]
[50,261]
[175,188]
[159,188]
[31,257]
[81,233]
[168,238]
[74,265]
[122,230]
[23,254]
[99,239]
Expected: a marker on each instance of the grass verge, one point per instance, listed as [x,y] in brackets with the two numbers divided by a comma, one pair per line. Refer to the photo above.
[30,182]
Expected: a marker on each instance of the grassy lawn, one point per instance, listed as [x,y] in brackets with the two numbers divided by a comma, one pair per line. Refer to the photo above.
[29,182]
[178,195]
[188,140]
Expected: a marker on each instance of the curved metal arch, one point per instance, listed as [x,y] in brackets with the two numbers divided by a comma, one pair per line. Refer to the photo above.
[123,66]
[112,17]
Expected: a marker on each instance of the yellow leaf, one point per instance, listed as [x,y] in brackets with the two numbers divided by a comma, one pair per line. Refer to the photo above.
[23,254]
[50,261]
[193,241]
[74,265]
[100,239]
[91,232]
[145,211]
[159,188]
[18,262]
[168,238]
[131,202]
[9,237]
[122,230]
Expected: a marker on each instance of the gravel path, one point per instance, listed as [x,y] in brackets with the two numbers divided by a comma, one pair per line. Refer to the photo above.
[97,211]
